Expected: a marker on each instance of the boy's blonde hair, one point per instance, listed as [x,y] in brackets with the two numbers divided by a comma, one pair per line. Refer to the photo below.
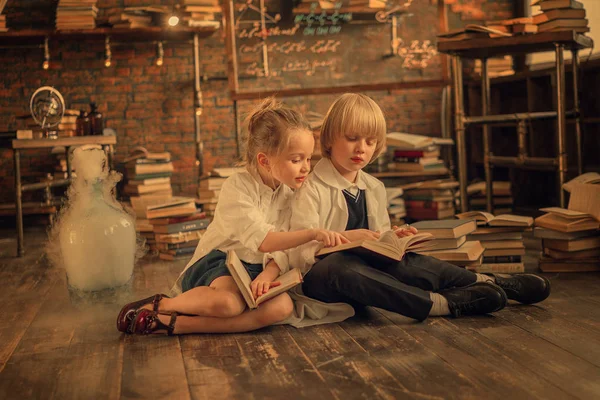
[355,114]
[270,126]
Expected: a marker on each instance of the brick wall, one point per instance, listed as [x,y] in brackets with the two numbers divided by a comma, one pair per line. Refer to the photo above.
[153,106]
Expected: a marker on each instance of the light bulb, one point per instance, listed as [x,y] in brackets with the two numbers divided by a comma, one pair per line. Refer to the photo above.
[107,63]
[173,20]
[159,62]
[46,65]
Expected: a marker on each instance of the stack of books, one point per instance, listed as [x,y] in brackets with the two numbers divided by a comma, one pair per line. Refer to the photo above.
[560,15]
[76,14]
[473,31]
[570,240]
[3,27]
[502,238]
[396,205]
[502,66]
[148,174]
[515,26]
[209,188]
[450,242]
[65,128]
[431,199]
[129,19]
[176,237]
[502,200]
[201,12]
[415,153]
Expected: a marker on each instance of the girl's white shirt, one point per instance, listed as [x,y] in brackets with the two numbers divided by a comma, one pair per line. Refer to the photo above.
[247,210]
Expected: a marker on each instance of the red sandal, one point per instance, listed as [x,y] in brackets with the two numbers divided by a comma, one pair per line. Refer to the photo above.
[128,311]
[146,322]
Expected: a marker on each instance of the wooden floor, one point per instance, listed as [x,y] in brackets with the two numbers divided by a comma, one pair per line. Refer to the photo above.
[50,348]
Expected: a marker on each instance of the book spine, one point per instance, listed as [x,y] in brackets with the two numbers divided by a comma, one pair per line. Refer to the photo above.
[185,226]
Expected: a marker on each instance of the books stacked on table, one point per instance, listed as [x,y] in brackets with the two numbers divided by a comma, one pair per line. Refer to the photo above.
[515,26]
[450,241]
[76,14]
[502,200]
[502,238]
[502,66]
[176,237]
[201,12]
[427,200]
[148,174]
[129,19]
[560,15]
[473,31]
[415,154]
[396,206]
[209,188]
[570,240]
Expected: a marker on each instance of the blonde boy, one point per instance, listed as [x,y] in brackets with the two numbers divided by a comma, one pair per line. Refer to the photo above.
[339,196]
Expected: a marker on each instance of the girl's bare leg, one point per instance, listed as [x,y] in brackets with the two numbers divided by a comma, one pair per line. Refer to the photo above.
[221,299]
[275,310]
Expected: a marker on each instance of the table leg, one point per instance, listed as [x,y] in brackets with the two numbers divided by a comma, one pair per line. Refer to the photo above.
[459,127]
[18,203]
[561,122]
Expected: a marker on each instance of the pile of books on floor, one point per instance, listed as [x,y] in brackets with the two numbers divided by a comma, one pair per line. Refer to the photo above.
[209,188]
[560,15]
[129,19]
[396,205]
[415,153]
[570,240]
[428,200]
[502,200]
[502,238]
[201,12]
[502,66]
[450,243]
[148,174]
[76,14]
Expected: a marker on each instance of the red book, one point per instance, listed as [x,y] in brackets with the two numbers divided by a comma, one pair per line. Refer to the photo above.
[416,153]
[434,205]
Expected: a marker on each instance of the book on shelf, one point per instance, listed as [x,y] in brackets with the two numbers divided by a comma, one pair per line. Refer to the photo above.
[417,153]
[286,281]
[559,4]
[564,220]
[388,247]
[550,15]
[416,167]
[485,218]
[446,229]
[469,251]
[176,206]
[183,226]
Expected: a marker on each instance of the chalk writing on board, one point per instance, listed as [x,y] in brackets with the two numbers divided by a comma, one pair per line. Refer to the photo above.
[289,47]
[309,67]
[417,54]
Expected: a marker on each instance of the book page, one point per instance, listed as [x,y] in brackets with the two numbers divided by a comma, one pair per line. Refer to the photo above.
[588,177]
[563,212]
[477,215]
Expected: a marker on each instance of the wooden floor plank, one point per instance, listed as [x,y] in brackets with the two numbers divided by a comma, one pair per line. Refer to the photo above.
[582,342]
[540,357]
[347,368]
[477,359]
[420,370]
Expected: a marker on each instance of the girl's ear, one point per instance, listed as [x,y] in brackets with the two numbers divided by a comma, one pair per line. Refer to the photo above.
[262,159]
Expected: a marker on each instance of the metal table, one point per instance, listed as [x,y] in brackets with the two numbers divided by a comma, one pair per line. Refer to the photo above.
[106,142]
[484,48]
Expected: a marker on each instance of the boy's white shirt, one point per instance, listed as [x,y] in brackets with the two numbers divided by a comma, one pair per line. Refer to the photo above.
[320,203]
[247,210]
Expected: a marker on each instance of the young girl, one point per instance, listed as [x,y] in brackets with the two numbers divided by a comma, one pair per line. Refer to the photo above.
[251,216]
[341,197]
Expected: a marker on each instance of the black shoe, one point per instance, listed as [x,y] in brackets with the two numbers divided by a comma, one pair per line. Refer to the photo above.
[475,299]
[524,288]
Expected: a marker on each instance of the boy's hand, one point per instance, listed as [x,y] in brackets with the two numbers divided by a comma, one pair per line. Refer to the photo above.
[329,238]
[260,286]
[361,234]
[405,230]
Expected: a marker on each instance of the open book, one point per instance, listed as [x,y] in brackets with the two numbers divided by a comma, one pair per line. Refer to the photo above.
[564,220]
[485,218]
[389,247]
[243,281]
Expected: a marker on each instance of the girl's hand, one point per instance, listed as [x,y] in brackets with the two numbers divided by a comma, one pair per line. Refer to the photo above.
[405,230]
[329,238]
[260,286]
[361,234]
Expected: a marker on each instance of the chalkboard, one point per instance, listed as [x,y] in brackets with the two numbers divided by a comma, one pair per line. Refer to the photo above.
[310,47]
